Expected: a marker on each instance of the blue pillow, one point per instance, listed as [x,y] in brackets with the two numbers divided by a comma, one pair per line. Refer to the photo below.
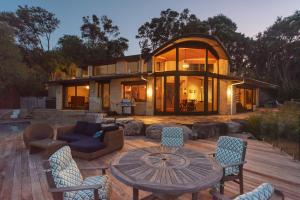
[98,134]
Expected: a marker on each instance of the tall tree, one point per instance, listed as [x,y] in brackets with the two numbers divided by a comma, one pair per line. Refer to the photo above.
[33,25]
[72,49]
[101,37]
[169,25]
[276,55]
[13,72]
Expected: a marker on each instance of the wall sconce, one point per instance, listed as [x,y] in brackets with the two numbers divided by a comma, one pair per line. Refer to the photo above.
[229,92]
[149,92]
[87,87]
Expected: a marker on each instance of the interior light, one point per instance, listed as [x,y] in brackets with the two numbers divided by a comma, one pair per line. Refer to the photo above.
[87,87]
[149,92]
[185,65]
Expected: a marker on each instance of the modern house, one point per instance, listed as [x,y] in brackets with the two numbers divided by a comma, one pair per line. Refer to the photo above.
[187,75]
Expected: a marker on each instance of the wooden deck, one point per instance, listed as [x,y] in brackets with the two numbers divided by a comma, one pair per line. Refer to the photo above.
[21,175]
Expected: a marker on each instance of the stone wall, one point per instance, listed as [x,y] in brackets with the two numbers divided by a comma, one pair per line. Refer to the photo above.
[59,97]
[94,100]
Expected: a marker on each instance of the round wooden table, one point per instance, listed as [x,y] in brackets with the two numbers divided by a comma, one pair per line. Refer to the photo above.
[167,173]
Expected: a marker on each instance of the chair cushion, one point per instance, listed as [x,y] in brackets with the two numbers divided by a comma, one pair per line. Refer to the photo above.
[172,137]
[262,192]
[72,137]
[64,170]
[92,128]
[87,145]
[104,192]
[229,151]
[80,127]
[109,127]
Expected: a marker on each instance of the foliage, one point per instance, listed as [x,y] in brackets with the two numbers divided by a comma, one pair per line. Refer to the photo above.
[72,49]
[281,127]
[33,25]
[12,71]
[102,39]
[170,24]
[276,55]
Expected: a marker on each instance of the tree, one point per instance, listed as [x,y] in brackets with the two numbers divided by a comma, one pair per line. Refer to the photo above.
[169,25]
[102,38]
[13,72]
[276,55]
[33,26]
[72,49]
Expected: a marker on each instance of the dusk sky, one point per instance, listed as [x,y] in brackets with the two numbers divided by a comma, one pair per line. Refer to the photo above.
[251,16]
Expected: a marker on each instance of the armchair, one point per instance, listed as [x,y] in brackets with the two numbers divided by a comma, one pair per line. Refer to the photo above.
[66,182]
[230,153]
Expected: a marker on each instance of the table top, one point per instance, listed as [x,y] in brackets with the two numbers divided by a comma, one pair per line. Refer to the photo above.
[163,170]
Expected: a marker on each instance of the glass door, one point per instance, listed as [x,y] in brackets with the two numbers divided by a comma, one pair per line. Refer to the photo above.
[170,94]
[105,96]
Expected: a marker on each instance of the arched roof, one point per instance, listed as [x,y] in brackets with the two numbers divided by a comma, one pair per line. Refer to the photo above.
[210,40]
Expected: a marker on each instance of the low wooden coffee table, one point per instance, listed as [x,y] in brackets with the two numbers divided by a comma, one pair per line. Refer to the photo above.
[167,173]
[49,145]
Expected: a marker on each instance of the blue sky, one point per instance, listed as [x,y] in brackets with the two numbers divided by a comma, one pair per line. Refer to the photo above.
[251,16]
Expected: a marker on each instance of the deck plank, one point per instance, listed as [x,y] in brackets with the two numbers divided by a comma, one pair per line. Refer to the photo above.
[22,173]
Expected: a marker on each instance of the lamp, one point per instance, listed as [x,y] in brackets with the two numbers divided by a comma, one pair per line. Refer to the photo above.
[87,87]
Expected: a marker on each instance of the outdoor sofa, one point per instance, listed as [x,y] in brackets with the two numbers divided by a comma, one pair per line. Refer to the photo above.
[86,144]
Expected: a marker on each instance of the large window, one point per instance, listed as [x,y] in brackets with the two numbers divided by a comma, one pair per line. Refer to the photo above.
[192,59]
[170,93]
[191,94]
[76,97]
[133,67]
[166,61]
[212,94]
[105,69]
[135,91]
[212,63]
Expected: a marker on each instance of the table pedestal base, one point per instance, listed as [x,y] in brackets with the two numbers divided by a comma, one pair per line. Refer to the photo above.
[158,196]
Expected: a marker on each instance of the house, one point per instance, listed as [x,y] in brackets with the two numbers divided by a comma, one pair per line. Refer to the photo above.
[187,75]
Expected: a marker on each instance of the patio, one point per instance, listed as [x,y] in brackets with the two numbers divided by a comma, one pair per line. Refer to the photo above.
[21,175]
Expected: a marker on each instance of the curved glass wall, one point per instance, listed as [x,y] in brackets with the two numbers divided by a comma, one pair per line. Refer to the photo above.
[190,82]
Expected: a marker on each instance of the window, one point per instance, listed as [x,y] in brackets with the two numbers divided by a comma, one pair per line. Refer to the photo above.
[166,61]
[191,94]
[105,69]
[133,67]
[192,59]
[135,91]
[212,63]
[159,94]
[76,97]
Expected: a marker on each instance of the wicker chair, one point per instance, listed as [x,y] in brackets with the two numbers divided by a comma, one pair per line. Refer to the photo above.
[230,154]
[172,137]
[66,182]
[35,132]
[263,192]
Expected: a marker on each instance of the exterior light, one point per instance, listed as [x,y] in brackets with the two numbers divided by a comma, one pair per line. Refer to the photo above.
[87,87]
[149,92]
[229,92]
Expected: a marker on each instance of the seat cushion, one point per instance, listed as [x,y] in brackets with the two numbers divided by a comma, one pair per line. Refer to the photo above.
[65,171]
[92,128]
[104,192]
[80,127]
[262,192]
[72,137]
[109,127]
[88,145]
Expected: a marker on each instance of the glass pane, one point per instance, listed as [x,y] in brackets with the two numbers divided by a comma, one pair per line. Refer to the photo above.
[210,94]
[212,63]
[192,59]
[105,96]
[215,94]
[135,92]
[133,67]
[166,61]
[170,93]
[191,94]
[69,95]
[159,94]
[248,100]
[82,97]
